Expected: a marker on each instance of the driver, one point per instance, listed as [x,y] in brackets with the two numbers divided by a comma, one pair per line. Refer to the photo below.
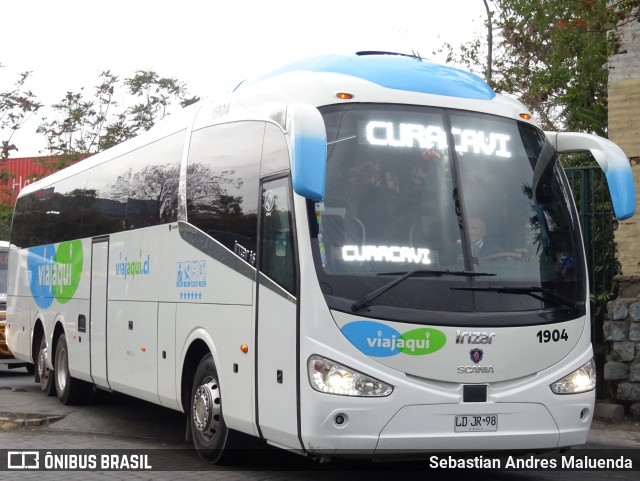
[481,247]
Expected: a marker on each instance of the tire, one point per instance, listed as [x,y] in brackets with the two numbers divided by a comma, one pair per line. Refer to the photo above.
[214,442]
[69,389]
[44,375]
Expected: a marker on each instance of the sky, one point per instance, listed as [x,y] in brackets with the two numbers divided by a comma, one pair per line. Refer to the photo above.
[211,45]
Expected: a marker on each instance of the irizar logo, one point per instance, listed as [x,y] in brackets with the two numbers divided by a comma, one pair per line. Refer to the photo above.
[380,340]
[140,267]
[474,337]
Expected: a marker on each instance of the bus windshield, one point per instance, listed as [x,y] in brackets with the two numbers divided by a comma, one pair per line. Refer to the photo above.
[480,200]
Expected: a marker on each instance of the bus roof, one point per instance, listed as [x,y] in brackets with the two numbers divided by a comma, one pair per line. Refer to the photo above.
[394,71]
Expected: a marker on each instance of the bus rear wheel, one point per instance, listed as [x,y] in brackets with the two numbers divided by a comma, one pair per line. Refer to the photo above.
[45,376]
[212,439]
[69,389]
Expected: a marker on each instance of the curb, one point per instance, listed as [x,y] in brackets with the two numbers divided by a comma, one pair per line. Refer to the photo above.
[8,423]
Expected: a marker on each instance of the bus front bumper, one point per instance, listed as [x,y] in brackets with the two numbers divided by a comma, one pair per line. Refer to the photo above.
[431,428]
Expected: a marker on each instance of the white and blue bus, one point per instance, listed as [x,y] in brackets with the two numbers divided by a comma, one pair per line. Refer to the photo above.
[367,253]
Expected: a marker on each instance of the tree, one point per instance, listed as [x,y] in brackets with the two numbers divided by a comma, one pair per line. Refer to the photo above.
[17,104]
[552,55]
[84,126]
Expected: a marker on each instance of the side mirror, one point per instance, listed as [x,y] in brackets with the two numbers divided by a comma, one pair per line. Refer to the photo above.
[611,159]
[308,150]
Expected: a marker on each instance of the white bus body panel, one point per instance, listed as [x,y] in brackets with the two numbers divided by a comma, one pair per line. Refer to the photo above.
[168,381]
[277,357]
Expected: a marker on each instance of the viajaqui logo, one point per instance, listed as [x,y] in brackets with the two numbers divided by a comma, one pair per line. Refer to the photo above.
[133,268]
[380,340]
[55,273]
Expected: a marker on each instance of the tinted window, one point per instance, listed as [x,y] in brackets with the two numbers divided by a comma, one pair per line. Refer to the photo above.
[277,254]
[411,188]
[222,183]
[65,210]
[35,226]
[275,153]
[106,197]
[153,189]
[17,224]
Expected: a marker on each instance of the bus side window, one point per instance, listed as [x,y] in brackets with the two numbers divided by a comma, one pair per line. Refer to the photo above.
[65,208]
[222,183]
[277,253]
[275,153]
[105,198]
[153,189]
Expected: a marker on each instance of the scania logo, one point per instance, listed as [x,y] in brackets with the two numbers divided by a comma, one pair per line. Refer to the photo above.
[476,355]
[475,369]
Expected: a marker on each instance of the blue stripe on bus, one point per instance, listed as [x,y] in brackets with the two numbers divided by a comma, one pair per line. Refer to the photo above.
[395,72]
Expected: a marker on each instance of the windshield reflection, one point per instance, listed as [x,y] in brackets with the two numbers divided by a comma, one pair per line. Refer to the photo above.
[398,198]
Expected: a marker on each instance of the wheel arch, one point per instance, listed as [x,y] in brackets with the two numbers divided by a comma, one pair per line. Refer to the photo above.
[36,338]
[58,329]
[198,348]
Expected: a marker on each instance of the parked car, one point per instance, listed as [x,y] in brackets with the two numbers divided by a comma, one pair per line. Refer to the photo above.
[6,357]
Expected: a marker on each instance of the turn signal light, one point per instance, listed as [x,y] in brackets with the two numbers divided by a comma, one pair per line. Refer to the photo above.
[525,116]
[344,96]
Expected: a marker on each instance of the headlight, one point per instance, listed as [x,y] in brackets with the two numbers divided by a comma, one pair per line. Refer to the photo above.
[580,380]
[330,377]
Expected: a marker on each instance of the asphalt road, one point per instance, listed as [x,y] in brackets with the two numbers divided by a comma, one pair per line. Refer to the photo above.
[118,422]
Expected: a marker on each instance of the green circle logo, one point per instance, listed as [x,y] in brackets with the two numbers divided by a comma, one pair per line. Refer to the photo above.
[67,270]
[421,341]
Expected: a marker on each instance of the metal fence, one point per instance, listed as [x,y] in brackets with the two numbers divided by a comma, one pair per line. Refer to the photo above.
[598,224]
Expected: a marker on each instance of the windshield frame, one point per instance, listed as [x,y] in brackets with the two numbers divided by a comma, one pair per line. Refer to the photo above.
[545,311]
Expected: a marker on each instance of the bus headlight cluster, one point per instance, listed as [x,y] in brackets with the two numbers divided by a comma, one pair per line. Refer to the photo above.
[331,377]
[582,379]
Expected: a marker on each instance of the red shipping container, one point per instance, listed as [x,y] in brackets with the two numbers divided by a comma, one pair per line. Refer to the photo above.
[22,172]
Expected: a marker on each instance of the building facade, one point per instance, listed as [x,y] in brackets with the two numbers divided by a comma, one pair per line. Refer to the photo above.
[622,329]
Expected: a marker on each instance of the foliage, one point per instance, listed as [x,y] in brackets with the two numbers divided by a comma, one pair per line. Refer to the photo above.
[17,104]
[84,126]
[550,54]
[6,213]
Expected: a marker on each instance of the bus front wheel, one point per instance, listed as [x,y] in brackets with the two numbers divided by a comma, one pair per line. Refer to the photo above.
[69,389]
[211,437]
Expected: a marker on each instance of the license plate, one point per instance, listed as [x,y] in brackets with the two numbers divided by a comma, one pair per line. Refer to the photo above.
[476,423]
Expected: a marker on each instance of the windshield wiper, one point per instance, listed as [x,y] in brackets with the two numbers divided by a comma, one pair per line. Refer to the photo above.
[539,293]
[366,300]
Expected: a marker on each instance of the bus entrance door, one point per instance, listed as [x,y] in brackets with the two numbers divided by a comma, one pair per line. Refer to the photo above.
[277,370]
[98,320]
